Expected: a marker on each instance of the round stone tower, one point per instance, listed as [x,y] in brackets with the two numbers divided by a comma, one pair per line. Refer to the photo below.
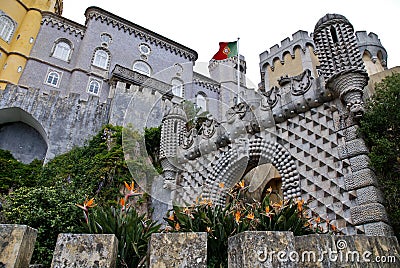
[173,129]
[340,59]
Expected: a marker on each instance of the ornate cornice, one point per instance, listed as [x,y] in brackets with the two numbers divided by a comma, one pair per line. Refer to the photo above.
[206,82]
[67,25]
[143,33]
[127,75]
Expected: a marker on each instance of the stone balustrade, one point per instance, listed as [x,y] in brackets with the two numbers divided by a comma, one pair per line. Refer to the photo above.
[247,249]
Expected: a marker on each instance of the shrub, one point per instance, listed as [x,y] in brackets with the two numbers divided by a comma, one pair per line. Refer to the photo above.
[132,229]
[380,129]
[221,222]
[50,210]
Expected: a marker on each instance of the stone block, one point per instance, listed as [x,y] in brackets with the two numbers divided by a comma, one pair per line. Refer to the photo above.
[85,250]
[172,250]
[347,251]
[372,212]
[352,148]
[360,179]
[16,245]
[261,249]
[359,162]
[370,194]
[378,229]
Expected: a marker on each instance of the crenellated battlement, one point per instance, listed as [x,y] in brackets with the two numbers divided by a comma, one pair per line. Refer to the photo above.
[299,39]
[370,42]
[61,22]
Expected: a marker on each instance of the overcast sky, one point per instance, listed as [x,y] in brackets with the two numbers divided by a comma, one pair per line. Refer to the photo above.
[201,25]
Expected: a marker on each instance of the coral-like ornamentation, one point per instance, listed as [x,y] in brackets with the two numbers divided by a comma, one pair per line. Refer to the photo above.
[189,138]
[299,84]
[208,128]
[237,111]
[272,96]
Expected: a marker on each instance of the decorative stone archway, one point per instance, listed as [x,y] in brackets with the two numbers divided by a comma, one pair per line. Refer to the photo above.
[234,163]
[22,135]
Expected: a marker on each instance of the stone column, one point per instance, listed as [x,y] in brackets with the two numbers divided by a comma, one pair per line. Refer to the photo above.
[85,250]
[16,245]
[183,250]
[261,249]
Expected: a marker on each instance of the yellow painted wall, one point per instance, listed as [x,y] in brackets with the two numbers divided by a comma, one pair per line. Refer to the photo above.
[289,67]
[372,68]
[15,52]
[315,61]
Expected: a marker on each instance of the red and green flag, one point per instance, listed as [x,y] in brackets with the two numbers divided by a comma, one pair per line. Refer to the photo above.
[226,50]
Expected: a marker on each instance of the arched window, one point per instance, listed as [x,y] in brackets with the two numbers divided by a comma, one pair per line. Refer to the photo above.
[142,67]
[201,102]
[101,59]
[6,28]
[177,87]
[53,78]
[62,51]
[94,87]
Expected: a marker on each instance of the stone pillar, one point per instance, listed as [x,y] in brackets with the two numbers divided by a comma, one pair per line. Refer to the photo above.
[85,250]
[261,249]
[171,250]
[369,214]
[16,245]
[347,251]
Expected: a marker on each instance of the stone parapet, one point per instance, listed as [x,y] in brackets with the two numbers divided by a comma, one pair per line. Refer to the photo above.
[16,245]
[282,249]
[85,250]
[170,250]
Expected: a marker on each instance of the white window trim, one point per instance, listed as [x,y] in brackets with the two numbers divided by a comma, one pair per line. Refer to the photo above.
[7,36]
[174,87]
[49,71]
[91,79]
[140,70]
[204,96]
[56,45]
[107,63]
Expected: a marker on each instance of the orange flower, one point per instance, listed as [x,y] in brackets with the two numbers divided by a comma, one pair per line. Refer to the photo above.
[131,189]
[221,185]
[86,205]
[237,216]
[177,226]
[318,220]
[300,205]
[269,190]
[122,202]
[171,217]
[278,205]
[250,216]
[241,184]
[333,227]
[268,212]
[209,230]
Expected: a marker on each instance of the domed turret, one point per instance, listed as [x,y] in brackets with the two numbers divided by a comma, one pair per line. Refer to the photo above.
[173,130]
[341,62]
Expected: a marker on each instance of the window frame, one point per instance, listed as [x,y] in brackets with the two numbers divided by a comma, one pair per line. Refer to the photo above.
[90,82]
[179,86]
[67,57]
[204,98]
[6,34]
[96,58]
[141,71]
[58,81]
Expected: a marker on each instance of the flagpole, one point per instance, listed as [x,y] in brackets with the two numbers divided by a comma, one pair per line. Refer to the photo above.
[238,73]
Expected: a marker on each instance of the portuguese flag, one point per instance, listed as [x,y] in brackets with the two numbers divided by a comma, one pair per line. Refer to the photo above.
[226,50]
